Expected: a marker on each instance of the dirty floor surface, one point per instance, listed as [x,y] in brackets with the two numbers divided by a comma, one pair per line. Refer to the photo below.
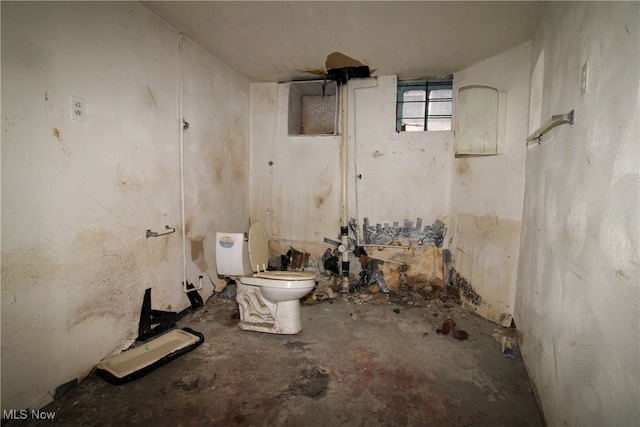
[376,363]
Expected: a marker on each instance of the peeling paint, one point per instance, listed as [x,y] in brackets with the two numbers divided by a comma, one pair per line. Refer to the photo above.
[418,269]
[431,235]
[486,255]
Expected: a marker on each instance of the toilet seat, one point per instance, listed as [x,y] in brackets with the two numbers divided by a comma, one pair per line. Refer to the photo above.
[263,282]
[286,275]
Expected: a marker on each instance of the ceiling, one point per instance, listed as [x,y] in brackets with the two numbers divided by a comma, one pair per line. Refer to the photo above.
[267,41]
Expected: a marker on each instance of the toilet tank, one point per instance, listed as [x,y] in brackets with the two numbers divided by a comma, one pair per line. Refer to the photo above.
[232,255]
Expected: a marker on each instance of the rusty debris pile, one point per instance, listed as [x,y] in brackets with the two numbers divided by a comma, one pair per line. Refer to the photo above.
[397,282]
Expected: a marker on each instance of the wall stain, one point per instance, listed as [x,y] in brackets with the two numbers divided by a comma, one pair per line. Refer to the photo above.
[377,153]
[127,180]
[100,292]
[321,198]
[56,133]
[29,267]
[462,167]
[218,166]
[153,98]
[197,252]
[621,273]
[462,288]
[189,224]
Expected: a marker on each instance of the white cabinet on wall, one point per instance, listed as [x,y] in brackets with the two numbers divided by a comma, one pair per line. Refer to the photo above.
[480,121]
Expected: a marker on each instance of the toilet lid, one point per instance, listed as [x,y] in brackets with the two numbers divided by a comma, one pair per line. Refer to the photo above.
[258,247]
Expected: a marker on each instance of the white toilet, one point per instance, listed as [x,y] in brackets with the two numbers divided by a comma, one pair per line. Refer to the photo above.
[268,300]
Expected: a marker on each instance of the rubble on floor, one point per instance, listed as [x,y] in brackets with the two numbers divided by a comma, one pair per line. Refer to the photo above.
[361,359]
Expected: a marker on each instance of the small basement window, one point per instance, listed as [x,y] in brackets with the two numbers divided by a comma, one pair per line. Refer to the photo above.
[423,105]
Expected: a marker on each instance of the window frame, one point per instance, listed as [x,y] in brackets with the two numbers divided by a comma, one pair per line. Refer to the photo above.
[427,85]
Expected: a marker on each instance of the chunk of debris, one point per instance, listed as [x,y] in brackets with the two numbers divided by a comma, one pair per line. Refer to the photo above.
[446,327]
[370,274]
[507,351]
[229,291]
[450,326]
[331,262]
[459,334]
[341,68]
[297,259]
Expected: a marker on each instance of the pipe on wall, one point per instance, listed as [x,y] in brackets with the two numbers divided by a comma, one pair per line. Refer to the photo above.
[344,161]
[183,126]
[356,175]
[274,136]
[180,121]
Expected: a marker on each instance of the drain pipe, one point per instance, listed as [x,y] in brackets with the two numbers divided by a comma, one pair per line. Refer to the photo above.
[182,128]
[344,159]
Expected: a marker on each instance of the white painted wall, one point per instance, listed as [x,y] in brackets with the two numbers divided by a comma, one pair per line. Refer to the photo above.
[216,158]
[578,294]
[298,197]
[404,175]
[77,197]
[486,192]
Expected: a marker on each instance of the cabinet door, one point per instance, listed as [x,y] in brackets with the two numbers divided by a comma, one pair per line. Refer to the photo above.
[479,121]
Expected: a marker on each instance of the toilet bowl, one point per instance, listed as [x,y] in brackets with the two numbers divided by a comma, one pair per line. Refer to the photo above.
[268,301]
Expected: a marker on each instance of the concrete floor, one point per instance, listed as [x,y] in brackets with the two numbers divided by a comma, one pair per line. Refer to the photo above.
[355,363]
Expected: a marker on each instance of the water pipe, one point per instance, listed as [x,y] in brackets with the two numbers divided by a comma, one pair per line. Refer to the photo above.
[344,161]
[356,175]
[274,136]
[183,126]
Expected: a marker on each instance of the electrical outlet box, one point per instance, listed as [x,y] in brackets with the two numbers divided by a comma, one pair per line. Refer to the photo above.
[584,79]
[77,108]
